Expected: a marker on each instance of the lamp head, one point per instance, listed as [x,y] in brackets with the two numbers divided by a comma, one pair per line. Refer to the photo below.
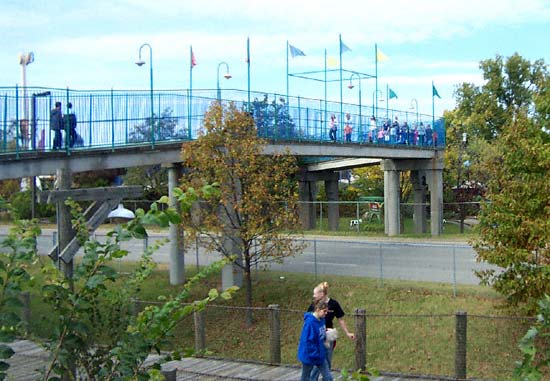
[140,63]
[227,76]
[26,58]
[350,86]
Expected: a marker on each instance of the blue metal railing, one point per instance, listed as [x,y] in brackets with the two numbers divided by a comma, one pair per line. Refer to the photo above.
[115,118]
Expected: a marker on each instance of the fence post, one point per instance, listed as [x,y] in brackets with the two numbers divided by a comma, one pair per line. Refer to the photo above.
[170,375]
[461,340]
[360,338]
[200,335]
[275,334]
[135,307]
[26,312]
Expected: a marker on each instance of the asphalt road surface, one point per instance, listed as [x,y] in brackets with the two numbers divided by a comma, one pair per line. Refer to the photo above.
[419,261]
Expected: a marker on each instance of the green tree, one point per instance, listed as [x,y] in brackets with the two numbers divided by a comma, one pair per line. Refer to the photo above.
[165,128]
[272,119]
[17,254]
[256,207]
[153,178]
[514,225]
[95,331]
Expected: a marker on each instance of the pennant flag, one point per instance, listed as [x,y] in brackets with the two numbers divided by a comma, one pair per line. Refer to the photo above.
[332,61]
[193,59]
[435,93]
[392,94]
[294,51]
[381,57]
[344,48]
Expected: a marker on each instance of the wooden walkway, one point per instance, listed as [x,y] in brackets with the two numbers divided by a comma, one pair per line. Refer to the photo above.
[30,359]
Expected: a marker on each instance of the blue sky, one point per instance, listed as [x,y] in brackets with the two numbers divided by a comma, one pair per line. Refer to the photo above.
[94,44]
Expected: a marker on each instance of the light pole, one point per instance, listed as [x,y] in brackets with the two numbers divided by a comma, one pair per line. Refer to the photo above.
[350,86]
[226,76]
[24,60]
[375,102]
[140,62]
[415,107]
[461,200]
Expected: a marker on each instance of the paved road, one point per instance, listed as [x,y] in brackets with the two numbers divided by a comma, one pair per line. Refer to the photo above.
[421,261]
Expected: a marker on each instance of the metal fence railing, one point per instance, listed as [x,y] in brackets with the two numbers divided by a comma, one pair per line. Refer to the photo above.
[119,117]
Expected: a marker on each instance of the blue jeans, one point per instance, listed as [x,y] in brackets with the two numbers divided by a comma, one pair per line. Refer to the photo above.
[325,368]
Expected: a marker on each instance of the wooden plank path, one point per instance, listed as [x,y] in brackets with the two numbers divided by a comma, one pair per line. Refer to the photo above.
[29,359]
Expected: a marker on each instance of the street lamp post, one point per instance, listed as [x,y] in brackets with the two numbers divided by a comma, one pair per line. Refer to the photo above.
[459,193]
[351,86]
[226,76]
[140,62]
[24,60]
[415,107]
[375,101]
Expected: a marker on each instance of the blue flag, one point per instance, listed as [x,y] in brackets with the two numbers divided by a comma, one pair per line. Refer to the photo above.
[294,51]
[392,94]
[344,48]
[435,93]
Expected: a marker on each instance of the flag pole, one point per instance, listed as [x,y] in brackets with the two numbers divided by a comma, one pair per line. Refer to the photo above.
[190,108]
[433,106]
[387,101]
[325,119]
[287,71]
[341,94]
[376,81]
[248,64]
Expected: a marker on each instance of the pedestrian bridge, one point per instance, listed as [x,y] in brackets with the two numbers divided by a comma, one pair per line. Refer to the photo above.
[121,129]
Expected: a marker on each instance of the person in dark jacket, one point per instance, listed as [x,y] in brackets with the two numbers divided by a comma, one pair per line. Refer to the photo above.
[69,123]
[56,125]
[312,347]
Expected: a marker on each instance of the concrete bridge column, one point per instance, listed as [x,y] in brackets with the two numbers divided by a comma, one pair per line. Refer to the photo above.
[177,249]
[434,179]
[419,209]
[331,191]
[307,195]
[391,197]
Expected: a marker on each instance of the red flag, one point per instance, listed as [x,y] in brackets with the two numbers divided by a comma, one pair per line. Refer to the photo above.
[193,60]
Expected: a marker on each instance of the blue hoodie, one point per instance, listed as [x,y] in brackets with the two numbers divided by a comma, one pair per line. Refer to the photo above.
[311,349]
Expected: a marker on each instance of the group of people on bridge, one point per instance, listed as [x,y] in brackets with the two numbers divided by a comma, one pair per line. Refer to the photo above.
[67,123]
[387,133]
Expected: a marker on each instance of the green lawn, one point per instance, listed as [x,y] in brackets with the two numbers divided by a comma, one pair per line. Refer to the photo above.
[410,325]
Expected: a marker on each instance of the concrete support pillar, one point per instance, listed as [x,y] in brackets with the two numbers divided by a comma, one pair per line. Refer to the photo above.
[331,191]
[391,207]
[434,179]
[177,249]
[386,187]
[307,194]
[64,225]
[419,209]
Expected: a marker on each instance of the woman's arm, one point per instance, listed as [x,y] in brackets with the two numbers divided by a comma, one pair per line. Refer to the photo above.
[349,334]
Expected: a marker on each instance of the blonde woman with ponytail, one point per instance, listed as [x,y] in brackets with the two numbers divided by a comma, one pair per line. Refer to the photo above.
[320,293]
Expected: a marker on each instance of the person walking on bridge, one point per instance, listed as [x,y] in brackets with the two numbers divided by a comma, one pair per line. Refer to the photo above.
[333,127]
[56,125]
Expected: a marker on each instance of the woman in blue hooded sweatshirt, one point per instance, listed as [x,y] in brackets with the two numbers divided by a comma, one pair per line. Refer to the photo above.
[311,349]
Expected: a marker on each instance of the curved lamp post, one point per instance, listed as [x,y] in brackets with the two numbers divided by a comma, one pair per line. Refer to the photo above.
[226,76]
[414,106]
[140,62]
[351,86]
[375,101]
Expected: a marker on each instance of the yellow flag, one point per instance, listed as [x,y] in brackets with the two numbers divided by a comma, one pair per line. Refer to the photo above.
[332,61]
[381,57]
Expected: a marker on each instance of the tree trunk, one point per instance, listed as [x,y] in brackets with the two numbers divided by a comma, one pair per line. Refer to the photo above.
[248,286]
